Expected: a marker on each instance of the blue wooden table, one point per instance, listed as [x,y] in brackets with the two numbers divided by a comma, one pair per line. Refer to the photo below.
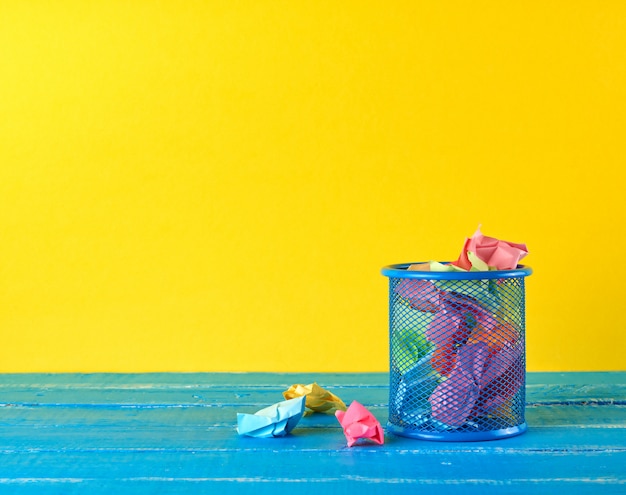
[175,433]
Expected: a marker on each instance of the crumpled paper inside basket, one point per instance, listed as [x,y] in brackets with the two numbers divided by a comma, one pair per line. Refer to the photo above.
[481,252]
[475,328]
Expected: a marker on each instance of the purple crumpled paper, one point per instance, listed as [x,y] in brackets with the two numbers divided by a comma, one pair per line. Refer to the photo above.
[481,380]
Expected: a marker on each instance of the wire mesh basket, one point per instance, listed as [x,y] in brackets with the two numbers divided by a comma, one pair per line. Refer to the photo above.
[457,353]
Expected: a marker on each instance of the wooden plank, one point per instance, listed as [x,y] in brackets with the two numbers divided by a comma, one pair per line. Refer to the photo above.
[188,380]
[310,442]
[181,436]
[554,415]
[345,484]
[245,394]
[274,380]
[443,471]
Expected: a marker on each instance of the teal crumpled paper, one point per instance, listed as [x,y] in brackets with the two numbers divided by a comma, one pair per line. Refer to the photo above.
[276,420]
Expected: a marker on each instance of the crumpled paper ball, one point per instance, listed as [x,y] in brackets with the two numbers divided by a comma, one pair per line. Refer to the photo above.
[317,398]
[481,252]
[358,423]
[276,420]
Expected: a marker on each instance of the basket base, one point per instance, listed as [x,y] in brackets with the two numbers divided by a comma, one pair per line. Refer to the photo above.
[447,436]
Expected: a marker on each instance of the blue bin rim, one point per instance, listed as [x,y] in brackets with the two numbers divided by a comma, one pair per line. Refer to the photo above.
[400,271]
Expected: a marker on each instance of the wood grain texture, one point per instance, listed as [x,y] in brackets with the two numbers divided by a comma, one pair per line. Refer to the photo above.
[175,433]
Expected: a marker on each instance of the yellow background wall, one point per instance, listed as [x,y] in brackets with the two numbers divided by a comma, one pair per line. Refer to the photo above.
[215,185]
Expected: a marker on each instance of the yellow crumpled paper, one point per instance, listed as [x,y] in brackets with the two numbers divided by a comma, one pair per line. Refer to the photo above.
[317,398]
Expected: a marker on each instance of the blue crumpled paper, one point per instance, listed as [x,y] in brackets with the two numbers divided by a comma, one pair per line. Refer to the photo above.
[276,420]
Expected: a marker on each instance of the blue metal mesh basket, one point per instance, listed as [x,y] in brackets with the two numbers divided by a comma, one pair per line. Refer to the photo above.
[457,353]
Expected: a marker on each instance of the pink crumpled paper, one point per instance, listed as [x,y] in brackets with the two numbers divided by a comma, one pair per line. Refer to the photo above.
[493,253]
[358,423]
